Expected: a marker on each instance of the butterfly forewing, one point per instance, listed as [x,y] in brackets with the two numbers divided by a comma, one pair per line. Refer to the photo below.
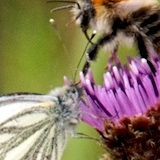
[34,127]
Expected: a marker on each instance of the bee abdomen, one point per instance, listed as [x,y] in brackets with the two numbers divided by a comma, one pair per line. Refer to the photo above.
[151,25]
[148,22]
[152,29]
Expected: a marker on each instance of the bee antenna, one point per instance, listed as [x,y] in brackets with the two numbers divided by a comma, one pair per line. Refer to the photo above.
[76,71]
[61,8]
[64,1]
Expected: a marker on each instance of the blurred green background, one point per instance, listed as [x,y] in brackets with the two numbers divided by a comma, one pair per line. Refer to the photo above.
[34,57]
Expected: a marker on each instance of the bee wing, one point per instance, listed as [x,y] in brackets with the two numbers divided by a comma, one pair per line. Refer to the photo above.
[29,128]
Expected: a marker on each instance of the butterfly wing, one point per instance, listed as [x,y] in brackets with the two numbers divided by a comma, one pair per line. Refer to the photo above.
[29,128]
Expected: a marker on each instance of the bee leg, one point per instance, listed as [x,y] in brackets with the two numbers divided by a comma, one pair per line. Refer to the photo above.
[105,39]
[143,51]
[91,56]
[93,50]
[86,67]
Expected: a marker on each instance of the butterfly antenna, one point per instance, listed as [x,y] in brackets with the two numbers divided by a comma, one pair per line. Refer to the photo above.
[53,23]
[92,36]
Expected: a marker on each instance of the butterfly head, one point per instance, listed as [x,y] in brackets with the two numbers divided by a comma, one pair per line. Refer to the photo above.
[68,100]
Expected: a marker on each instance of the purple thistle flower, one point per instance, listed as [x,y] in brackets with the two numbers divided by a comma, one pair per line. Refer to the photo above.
[126,109]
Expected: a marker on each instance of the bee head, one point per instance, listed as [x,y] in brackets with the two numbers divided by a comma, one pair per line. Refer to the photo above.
[83,14]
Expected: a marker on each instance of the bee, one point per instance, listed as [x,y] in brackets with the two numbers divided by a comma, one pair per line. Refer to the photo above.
[118,20]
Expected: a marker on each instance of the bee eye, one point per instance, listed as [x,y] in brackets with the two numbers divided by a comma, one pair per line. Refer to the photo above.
[85,21]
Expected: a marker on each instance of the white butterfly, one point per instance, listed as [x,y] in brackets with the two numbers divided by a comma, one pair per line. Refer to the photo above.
[36,127]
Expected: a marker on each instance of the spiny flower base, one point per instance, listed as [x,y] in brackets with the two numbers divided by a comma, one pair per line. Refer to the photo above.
[135,138]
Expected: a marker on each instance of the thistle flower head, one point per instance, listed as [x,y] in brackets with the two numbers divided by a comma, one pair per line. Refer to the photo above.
[126,109]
